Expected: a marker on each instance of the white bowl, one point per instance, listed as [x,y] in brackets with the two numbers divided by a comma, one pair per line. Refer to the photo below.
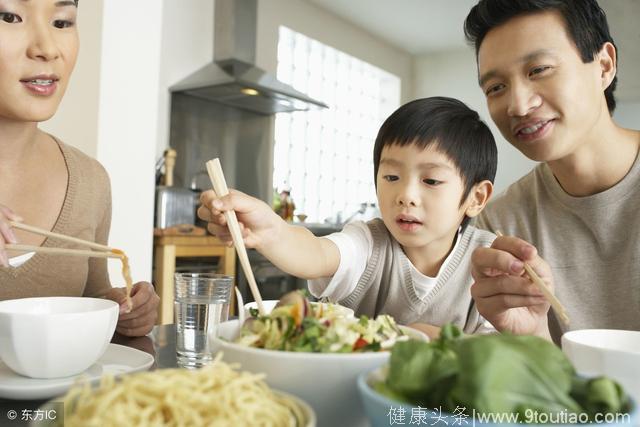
[327,381]
[271,303]
[55,337]
[610,352]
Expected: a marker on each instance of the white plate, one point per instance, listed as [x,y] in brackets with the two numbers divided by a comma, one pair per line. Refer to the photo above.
[116,360]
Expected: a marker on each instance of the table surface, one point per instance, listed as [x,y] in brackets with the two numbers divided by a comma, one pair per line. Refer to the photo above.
[160,343]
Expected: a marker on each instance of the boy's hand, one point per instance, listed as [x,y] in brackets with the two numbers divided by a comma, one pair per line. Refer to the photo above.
[503,294]
[258,223]
[6,233]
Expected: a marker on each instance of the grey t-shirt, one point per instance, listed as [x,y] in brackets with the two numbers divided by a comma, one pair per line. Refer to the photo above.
[591,244]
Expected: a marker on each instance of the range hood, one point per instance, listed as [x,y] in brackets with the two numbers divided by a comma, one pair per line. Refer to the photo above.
[233,79]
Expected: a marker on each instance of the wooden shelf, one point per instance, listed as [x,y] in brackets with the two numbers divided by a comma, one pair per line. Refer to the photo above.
[166,249]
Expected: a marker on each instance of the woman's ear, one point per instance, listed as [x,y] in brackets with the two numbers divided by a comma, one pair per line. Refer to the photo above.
[608,64]
[478,198]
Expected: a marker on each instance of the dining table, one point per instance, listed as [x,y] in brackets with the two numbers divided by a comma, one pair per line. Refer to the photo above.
[159,343]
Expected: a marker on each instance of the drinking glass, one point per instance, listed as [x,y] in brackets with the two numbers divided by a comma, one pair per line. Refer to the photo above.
[201,304]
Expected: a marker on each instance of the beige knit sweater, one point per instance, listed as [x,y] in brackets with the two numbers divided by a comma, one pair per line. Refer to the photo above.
[86,214]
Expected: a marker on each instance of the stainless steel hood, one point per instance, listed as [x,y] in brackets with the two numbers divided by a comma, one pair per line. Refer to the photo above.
[233,79]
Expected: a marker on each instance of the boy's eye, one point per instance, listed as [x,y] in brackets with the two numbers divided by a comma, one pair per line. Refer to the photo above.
[10,18]
[390,178]
[429,181]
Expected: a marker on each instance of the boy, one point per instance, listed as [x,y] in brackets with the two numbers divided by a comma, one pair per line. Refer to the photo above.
[434,164]
[548,69]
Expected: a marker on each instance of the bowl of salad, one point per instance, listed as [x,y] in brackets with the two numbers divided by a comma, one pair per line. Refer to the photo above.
[251,308]
[314,352]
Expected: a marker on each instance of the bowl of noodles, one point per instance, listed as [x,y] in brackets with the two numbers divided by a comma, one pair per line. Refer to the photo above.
[218,394]
[54,337]
[313,353]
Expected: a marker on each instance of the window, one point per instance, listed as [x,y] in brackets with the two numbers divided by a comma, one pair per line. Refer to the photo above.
[326,156]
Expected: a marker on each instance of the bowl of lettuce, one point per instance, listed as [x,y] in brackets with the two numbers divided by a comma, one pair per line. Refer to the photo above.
[487,380]
[314,353]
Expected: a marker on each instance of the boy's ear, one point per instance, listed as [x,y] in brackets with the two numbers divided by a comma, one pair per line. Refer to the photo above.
[608,64]
[478,198]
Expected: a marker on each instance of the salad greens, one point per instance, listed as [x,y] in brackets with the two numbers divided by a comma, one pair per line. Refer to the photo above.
[497,373]
[296,325]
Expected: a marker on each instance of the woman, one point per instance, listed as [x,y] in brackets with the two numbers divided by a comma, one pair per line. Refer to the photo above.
[44,182]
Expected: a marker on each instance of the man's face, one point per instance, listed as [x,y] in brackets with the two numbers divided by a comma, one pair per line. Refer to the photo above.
[540,94]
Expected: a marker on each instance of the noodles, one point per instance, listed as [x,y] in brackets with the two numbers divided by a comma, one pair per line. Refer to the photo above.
[126,273]
[216,395]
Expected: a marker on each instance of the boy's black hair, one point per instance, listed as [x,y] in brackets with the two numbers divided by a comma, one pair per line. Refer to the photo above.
[585,21]
[452,128]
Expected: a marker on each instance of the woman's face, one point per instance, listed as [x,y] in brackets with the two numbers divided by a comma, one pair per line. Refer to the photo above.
[38,50]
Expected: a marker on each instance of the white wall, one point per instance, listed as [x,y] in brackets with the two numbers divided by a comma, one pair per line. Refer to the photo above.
[76,122]
[110,112]
[187,45]
[627,114]
[127,125]
[329,29]
[454,74]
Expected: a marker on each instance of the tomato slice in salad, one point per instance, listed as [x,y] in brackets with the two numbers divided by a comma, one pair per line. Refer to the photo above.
[359,344]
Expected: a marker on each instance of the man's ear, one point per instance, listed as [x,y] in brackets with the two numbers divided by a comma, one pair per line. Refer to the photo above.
[608,64]
[478,198]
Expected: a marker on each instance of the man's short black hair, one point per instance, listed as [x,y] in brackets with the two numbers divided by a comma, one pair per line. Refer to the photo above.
[586,24]
[449,126]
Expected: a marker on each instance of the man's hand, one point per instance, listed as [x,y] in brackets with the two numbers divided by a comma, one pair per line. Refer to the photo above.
[503,294]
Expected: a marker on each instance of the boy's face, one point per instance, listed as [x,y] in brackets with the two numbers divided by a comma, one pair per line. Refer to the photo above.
[38,50]
[419,192]
[540,94]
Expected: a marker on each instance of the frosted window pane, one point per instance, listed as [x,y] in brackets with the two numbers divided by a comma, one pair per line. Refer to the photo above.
[326,156]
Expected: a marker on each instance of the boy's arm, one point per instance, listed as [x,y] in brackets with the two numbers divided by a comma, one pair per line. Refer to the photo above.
[293,249]
[300,253]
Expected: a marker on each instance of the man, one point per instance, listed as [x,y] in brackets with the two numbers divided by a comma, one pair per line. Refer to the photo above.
[548,70]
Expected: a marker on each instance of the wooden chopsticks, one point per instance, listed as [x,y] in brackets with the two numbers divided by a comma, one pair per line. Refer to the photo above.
[102,251]
[59,236]
[62,251]
[220,187]
[553,300]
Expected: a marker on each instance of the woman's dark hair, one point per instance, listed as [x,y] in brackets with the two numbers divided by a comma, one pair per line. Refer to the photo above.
[585,21]
[452,128]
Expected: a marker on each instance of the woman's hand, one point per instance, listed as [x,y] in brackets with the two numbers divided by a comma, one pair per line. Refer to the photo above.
[503,294]
[6,233]
[144,312]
